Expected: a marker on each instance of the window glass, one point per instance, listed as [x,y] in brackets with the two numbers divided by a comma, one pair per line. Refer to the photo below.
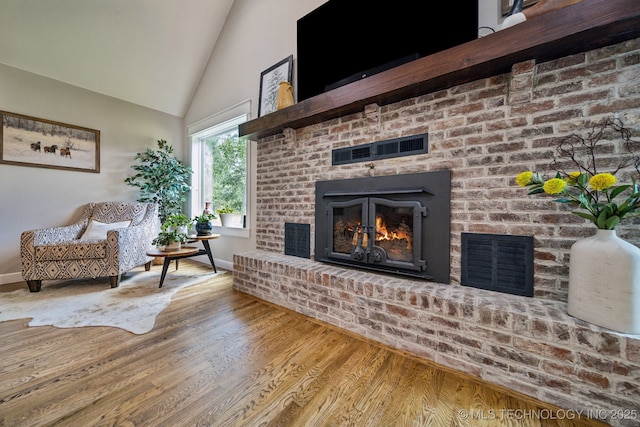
[219,159]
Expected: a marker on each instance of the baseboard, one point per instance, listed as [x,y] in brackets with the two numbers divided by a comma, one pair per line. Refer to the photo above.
[220,263]
[10,278]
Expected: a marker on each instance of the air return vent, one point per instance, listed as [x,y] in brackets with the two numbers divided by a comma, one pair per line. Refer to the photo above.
[297,240]
[501,263]
[406,146]
[352,154]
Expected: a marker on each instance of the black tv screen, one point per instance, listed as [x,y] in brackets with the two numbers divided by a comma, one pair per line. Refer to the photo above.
[346,40]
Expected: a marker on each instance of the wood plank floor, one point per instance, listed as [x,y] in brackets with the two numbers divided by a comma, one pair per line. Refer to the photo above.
[218,357]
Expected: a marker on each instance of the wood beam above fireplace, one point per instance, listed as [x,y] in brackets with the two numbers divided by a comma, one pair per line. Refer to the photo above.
[587,25]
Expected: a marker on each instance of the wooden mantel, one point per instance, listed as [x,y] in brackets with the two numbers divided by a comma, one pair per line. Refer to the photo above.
[587,25]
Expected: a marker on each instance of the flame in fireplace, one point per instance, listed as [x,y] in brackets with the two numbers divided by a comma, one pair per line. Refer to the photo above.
[402,232]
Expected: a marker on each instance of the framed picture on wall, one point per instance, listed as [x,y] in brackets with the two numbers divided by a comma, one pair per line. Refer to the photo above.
[269,81]
[506,5]
[29,141]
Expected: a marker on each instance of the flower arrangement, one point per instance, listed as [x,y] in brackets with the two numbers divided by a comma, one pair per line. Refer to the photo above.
[603,202]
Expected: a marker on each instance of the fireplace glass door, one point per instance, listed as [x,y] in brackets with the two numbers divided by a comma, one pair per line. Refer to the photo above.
[379,231]
[345,228]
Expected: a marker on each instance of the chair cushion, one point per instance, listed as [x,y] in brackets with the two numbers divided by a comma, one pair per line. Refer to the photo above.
[97,230]
[75,249]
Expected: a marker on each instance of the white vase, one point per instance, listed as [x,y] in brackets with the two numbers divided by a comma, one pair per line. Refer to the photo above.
[604,282]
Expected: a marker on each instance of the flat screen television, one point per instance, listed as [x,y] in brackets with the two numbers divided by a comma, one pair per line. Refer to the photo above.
[346,40]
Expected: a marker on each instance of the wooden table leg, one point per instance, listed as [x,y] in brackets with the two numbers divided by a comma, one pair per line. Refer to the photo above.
[207,248]
[165,267]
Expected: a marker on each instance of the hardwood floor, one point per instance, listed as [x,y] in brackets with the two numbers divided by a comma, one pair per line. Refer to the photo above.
[217,357]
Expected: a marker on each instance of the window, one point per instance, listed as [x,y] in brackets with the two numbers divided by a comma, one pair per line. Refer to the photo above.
[219,161]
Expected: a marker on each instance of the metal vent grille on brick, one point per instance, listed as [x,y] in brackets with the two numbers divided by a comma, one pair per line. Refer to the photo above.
[502,263]
[397,147]
[297,240]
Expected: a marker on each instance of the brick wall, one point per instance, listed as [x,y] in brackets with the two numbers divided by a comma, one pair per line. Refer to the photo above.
[485,132]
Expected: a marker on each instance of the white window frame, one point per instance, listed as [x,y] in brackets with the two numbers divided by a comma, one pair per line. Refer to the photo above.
[230,117]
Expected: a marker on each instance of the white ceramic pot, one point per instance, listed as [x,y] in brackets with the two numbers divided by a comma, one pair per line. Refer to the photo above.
[231,220]
[183,229]
[604,282]
[173,246]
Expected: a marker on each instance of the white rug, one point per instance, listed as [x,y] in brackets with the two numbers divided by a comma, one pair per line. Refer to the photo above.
[132,306]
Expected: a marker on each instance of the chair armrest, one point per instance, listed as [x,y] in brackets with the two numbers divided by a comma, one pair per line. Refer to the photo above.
[53,235]
[128,246]
[130,235]
[32,238]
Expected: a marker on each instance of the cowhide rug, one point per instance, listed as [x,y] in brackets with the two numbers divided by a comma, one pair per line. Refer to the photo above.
[132,306]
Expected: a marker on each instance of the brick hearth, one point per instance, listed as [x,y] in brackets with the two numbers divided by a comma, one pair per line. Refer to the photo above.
[485,132]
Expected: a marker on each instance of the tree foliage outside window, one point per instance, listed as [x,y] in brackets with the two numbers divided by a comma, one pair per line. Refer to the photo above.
[228,166]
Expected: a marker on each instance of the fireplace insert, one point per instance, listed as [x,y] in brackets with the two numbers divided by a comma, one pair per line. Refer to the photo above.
[395,224]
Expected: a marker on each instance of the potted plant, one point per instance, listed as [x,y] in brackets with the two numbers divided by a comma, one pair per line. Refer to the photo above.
[203,223]
[162,179]
[179,222]
[168,240]
[228,218]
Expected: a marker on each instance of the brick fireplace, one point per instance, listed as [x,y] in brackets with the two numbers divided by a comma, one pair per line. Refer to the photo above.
[485,132]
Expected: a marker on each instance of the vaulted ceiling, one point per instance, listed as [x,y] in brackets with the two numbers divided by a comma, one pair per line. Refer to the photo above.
[147,52]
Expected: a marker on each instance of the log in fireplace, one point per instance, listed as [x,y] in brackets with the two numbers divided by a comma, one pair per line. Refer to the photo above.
[396,224]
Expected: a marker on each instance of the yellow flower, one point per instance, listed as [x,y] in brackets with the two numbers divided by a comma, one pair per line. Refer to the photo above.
[554,186]
[602,181]
[524,178]
[572,178]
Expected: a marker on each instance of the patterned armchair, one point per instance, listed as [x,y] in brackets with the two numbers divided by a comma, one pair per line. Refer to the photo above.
[91,247]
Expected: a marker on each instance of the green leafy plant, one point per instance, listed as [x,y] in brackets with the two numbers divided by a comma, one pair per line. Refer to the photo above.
[603,202]
[167,237]
[162,179]
[204,217]
[224,210]
[178,220]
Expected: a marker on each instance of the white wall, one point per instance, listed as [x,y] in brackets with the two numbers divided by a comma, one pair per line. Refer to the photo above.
[32,197]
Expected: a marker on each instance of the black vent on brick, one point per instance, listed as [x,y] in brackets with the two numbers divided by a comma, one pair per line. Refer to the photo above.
[500,263]
[406,146]
[343,156]
[297,241]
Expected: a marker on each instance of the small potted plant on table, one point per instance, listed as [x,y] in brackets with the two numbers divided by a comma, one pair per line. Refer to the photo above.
[170,240]
[179,222]
[203,223]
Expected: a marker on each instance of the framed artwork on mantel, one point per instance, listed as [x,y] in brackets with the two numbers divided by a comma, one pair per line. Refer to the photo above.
[269,81]
[506,5]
